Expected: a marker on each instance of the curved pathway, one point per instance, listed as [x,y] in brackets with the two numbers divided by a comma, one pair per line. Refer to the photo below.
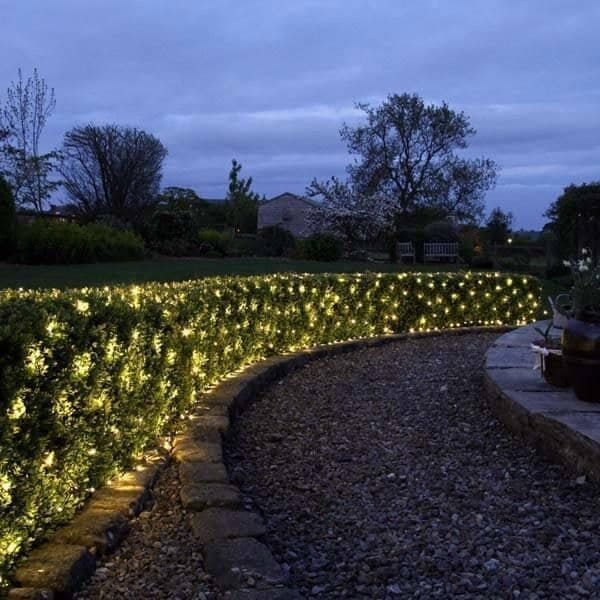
[382,474]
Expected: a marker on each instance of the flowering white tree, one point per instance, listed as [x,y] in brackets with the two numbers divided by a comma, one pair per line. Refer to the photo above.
[342,210]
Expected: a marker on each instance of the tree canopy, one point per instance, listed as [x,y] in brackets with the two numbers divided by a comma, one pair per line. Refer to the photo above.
[575,219]
[112,170]
[29,105]
[405,158]
[498,226]
[241,202]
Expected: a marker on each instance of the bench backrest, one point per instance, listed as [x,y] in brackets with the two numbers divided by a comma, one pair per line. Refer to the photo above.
[441,248]
[405,249]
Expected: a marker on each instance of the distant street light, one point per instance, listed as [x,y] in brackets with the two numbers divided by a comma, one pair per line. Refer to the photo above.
[509,240]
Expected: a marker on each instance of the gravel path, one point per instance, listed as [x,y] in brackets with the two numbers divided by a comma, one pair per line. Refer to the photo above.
[159,559]
[381,474]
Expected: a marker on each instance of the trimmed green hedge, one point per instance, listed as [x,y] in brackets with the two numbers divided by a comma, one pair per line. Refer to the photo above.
[50,242]
[90,378]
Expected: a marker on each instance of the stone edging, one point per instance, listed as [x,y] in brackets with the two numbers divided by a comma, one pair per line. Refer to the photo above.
[228,535]
[549,418]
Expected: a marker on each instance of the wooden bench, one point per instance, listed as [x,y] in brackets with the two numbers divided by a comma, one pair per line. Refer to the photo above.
[405,250]
[440,251]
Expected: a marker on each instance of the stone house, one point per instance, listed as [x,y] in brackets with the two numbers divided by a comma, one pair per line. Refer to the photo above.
[287,211]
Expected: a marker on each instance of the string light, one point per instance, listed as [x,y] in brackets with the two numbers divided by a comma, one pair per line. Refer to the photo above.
[101,374]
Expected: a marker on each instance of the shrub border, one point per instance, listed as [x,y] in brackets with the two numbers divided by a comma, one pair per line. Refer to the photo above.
[69,556]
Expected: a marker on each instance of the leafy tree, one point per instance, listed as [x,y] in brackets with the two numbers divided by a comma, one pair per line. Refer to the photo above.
[241,203]
[498,226]
[180,214]
[575,218]
[112,170]
[406,158]
[8,219]
[28,107]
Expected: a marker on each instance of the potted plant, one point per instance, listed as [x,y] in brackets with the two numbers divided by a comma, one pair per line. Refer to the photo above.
[581,336]
[550,357]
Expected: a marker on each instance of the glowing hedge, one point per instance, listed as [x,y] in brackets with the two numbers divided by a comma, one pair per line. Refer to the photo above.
[89,378]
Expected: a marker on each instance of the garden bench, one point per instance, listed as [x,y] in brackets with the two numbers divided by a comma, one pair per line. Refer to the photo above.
[405,250]
[438,251]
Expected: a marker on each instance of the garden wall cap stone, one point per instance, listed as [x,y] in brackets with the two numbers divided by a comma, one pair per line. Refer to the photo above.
[59,567]
[218,423]
[29,593]
[504,357]
[231,562]
[192,473]
[194,451]
[128,500]
[98,528]
[222,523]
[206,495]
[552,419]
[209,409]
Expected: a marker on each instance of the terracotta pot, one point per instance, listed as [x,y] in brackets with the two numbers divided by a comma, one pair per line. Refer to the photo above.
[554,370]
[581,351]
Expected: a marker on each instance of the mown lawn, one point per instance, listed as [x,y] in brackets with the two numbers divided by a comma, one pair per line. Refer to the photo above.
[64,276]
[163,269]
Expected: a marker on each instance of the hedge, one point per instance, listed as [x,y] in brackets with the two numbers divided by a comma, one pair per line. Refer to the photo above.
[90,378]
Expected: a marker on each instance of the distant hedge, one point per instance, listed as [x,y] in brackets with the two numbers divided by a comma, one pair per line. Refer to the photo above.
[89,378]
[49,242]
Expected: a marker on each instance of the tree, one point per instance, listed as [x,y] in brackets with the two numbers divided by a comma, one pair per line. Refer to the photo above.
[406,158]
[575,219]
[241,202]
[180,214]
[28,107]
[112,170]
[498,226]
[344,211]
[8,219]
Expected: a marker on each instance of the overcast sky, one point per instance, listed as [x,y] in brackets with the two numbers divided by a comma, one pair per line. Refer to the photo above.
[270,82]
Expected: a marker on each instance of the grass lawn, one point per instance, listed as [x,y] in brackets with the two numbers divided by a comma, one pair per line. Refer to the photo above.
[164,269]
[64,276]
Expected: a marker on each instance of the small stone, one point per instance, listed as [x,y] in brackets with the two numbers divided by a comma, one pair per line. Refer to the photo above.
[394,589]
[581,480]
[492,564]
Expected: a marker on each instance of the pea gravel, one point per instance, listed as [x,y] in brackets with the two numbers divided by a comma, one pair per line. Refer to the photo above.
[159,559]
[381,474]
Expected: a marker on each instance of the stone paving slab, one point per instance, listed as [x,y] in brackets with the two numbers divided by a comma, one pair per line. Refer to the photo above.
[195,473]
[60,567]
[549,417]
[231,562]
[504,357]
[96,527]
[199,496]
[222,523]
[191,450]
[30,594]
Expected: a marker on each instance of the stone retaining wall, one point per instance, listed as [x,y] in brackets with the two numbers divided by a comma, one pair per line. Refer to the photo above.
[550,418]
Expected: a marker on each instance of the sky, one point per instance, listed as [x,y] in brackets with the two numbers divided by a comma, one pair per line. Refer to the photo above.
[271,83]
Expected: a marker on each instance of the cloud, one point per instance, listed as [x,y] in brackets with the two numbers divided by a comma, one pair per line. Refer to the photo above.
[271,83]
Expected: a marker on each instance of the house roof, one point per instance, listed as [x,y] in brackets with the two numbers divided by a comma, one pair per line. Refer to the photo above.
[295,196]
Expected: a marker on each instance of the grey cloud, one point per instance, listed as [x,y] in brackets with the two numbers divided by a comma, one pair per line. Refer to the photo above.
[271,83]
